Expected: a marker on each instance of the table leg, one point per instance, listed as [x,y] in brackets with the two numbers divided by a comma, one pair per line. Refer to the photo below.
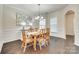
[35,43]
[24,48]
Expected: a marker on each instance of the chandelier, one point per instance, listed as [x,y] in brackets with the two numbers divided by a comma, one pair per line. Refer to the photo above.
[39,14]
[26,20]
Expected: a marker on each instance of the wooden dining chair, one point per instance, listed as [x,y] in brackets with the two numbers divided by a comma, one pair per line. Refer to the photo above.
[41,39]
[24,43]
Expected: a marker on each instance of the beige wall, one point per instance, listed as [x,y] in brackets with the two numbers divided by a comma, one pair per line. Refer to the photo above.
[77,27]
[0,19]
[69,21]
[1,38]
[9,25]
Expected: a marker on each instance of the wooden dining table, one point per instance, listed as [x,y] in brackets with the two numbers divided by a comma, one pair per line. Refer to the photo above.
[30,36]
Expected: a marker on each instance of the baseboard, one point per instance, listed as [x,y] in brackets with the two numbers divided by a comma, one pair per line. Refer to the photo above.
[11,41]
[1,47]
[58,37]
[76,44]
[70,35]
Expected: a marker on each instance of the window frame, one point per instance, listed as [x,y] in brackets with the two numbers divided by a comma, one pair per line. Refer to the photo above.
[42,23]
[53,24]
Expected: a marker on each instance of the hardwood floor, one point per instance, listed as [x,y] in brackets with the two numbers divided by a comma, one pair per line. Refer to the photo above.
[56,46]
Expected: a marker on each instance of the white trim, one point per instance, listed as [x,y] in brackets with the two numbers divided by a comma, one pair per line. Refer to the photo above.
[76,44]
[1,44]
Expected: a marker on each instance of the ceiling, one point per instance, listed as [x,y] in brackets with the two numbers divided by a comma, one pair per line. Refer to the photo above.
[32,9]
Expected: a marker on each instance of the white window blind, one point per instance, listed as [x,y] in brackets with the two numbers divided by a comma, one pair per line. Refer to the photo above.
[42,23]
[53,24]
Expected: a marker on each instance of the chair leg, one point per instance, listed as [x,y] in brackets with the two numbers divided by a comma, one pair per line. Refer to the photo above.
[24,46]
[46,43]
[24,49]
[40,45]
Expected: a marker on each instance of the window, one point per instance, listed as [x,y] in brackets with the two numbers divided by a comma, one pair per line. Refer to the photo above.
[42,23]
[53,24]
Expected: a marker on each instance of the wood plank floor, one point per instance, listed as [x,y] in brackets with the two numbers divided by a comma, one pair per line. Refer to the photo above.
[56,46]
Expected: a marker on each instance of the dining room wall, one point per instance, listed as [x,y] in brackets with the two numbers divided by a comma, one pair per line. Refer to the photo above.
[1,26]
[10,27]
[60,23]
[0,20]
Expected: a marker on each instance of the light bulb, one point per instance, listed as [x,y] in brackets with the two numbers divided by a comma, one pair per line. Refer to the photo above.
[37,17]
[23,23]
[42,17]
[30,24]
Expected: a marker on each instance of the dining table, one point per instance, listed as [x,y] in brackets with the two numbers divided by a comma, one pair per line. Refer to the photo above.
[31,36]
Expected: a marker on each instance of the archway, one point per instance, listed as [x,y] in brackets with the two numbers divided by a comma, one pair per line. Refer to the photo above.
[69,25]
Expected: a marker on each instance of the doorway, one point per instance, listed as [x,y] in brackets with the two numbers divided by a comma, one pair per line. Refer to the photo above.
[69,27]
